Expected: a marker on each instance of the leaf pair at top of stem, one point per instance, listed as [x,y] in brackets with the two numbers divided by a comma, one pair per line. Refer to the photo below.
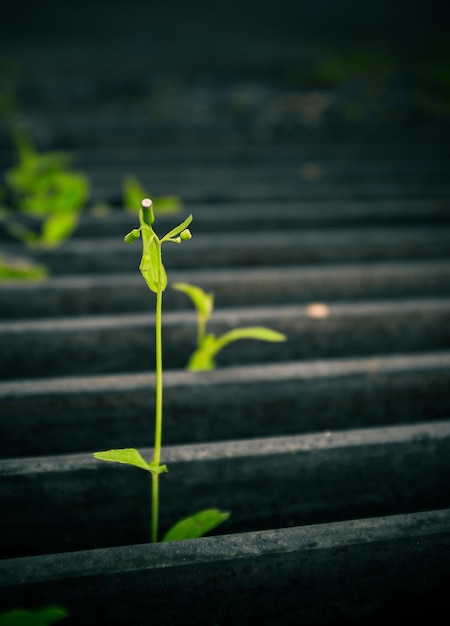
[151,266]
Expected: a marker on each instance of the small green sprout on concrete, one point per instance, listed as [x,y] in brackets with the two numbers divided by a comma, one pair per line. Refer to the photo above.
[154,274]
[40,617]
[208,345]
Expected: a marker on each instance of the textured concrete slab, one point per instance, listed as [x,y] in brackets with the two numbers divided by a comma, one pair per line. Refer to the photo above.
[75,414]
[80,503]
[328,574]
[121,293]
[125,343]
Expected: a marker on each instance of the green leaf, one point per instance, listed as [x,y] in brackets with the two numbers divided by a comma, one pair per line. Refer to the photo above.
[167,204]
[203,358]
[53,192]
[151,266]
[202,301]
[178,229]
[130,456]
[50,615]
[196,525]
[127,456]
[133,192]
[254,332]
[11,269]
[57,228]
[41,617]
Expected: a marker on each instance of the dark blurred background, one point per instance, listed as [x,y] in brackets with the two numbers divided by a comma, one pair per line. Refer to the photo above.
[201,63]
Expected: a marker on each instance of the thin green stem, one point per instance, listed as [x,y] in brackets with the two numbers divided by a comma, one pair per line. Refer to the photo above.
[158,416]
[155,507]
[159,379]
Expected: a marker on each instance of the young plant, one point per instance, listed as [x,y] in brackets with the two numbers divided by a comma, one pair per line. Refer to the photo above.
[154,274]
[208,345]
[44,198]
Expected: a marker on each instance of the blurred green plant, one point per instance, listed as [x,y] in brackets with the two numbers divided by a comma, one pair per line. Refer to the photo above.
[40,617]
[208,345]
[133,192]
[15,268]
[43,199]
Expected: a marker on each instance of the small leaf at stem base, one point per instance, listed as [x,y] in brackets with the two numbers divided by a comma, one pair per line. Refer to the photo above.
[196,525]
[41,617]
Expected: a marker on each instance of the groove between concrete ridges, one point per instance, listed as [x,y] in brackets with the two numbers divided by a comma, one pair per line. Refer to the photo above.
[283,446]
[211,190]
[287,166]
[268,185]
[105,344]
[329,144]
[79,502]
[350,572]
[263,373]
[263,215]
[232,316]
[113,293]
[238,249]
[303,539]
[89,412]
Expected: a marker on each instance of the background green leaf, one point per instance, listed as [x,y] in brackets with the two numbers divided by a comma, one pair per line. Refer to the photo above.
[202,301]
[133,192]
[41,617]
[11,269]
[58,227]
[252,332]
[203,358]
[196,525]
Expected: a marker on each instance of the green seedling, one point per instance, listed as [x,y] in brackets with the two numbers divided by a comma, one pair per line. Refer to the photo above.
[40,617]
[43,198]
[208,345]
[154,274]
